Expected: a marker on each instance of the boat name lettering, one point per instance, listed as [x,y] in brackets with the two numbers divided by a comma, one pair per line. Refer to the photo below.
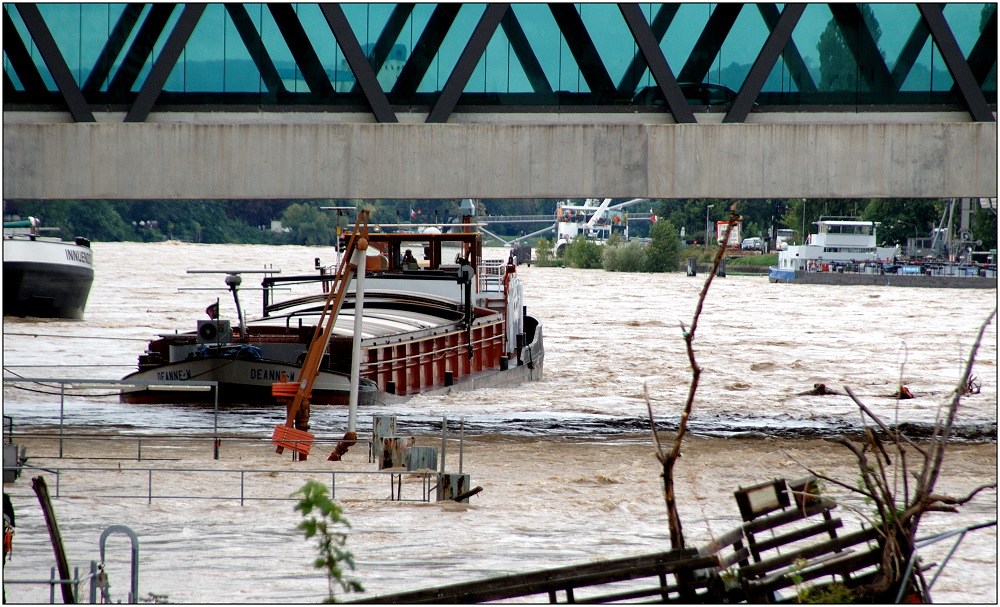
[179,375]
[272,375]
[80,256]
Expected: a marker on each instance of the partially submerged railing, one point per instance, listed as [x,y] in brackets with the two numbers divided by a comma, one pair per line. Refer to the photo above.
[113,384]
[169,483]
[789,537]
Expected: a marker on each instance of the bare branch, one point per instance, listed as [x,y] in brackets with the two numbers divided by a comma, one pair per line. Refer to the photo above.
[652,424]
[880,423]
[959,501]
[828,479]
[930,478]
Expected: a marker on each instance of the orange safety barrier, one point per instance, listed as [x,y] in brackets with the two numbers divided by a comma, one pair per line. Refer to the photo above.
[299,441]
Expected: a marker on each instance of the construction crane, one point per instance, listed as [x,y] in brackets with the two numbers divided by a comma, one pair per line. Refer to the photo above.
[293,434]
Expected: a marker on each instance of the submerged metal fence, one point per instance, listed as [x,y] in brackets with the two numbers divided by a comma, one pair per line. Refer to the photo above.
[93,384]
[54,580]
[167,483]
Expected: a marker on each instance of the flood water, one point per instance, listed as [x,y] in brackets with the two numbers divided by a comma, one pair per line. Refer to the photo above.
[566,463]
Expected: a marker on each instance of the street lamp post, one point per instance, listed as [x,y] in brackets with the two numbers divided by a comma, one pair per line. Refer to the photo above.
[708,225]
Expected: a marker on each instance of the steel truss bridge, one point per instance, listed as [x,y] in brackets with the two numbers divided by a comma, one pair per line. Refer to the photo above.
[210,101]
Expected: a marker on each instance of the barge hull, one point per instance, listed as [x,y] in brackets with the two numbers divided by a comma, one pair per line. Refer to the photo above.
[888,280]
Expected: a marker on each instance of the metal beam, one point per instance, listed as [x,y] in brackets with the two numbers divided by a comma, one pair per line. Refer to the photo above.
[960,72]
[983,56]
[706,49]
[764,63]
[149,32]
[8,85]
[860,42]
[113,47]
[426,48]
[582,47]
[637,67]
[524,53]
[363,73]
[909,53]
[793,59]
[19,57]
[302,50]
[387,37]
[54,60]
[658,66]
[255,46]
[467,62]
[164,64]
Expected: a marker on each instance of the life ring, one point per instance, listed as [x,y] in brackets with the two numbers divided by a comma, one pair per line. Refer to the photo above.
[812,266]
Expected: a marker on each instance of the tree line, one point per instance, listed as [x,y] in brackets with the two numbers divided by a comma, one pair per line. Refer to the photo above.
[305,223]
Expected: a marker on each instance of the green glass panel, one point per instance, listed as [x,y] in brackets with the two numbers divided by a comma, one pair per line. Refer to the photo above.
[966,21]
[241,73]
[65,23]
[683,33]
[368,21]
[161,41]
[493,71]
[36,57]
[80,32]
[543,37]
[454,43]
[201,66]
[611,37]
[645,79]
[896,22]
[281,56]
[117,61]
[325,45]
[407,40]
[929,72]
[739,49]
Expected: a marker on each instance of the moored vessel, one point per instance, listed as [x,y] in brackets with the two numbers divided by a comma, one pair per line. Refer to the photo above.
[436,315]
[44,276]
[844,252]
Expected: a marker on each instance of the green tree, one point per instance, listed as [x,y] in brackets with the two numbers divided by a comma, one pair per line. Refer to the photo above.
[331,541]
[984,228]
[543,253]
[624,257]
[664,252]
[96,220]
[582,253]
[309,225]
[902,218]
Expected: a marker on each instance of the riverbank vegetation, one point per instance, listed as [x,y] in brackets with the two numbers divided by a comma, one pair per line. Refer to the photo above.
[305,222]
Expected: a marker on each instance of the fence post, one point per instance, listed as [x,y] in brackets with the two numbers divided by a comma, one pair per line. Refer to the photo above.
[241,487]
[150,487]
[62,401]
[215,428]
[93,582]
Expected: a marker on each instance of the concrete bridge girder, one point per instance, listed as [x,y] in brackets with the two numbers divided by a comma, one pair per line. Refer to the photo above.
[363,160]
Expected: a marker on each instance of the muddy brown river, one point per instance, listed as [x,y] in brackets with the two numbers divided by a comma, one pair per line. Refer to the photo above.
[566,464]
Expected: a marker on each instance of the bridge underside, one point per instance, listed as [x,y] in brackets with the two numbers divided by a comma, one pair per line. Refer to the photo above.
[186,160]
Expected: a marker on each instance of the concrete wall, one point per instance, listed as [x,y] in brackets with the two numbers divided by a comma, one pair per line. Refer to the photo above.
[357,160]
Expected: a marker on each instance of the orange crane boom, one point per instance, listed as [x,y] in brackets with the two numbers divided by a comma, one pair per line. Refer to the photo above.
[286,435]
